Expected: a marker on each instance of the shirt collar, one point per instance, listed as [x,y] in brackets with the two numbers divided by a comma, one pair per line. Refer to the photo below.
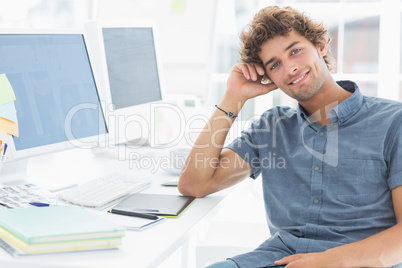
[345,109]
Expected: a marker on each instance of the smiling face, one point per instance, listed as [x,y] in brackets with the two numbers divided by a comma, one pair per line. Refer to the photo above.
[295,65]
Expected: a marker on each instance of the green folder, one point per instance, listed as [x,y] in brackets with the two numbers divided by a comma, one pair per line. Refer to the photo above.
[57,224]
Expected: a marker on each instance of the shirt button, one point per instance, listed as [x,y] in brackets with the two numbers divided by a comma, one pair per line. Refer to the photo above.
[316,168]
[316,201]
[342,119]
[321,134]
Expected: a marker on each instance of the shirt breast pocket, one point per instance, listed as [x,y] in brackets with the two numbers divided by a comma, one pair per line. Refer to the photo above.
[361,182]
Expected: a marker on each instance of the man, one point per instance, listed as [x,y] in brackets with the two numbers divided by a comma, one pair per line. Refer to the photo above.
[335,200]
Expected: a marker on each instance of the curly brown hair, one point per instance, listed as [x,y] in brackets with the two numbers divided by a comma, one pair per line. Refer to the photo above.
[272,21]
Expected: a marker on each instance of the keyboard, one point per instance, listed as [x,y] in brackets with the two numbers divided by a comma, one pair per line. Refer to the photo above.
[104,191]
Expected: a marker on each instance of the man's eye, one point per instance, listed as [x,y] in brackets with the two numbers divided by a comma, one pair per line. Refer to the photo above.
[274,66]
[296,51]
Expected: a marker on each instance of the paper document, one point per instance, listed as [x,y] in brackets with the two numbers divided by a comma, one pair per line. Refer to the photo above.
[7,111]
[8,115]
[128,222]
[9,127]
[6,91]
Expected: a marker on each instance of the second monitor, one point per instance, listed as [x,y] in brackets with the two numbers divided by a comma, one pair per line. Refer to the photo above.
[127,63]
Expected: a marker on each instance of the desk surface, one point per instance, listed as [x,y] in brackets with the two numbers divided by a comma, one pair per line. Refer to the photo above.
[147,248]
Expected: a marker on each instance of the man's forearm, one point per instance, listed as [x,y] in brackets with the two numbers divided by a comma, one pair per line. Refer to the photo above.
[204,158]
[212,138]
[380,250]
[243,84]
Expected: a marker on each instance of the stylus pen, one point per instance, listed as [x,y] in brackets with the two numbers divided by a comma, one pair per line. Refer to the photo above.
[134,214]
[5,205]
[4,150]
[39,204]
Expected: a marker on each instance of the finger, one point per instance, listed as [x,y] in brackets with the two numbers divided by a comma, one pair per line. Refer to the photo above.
[243,68]
[253,72]
[260,69]
[287,259]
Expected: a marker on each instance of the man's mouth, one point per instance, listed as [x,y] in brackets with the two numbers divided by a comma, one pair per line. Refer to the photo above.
[299,79]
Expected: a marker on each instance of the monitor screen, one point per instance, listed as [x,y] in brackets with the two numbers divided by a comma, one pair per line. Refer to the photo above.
[132,66]
[56,95]
[126,60]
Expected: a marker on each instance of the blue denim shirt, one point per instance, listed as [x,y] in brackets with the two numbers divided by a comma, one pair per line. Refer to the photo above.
[324,186]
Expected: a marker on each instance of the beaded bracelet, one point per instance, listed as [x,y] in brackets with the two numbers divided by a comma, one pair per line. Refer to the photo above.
[230,114]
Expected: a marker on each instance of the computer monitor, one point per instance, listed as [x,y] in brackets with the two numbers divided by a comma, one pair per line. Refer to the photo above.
[127,63]
[187,31]
[57,102]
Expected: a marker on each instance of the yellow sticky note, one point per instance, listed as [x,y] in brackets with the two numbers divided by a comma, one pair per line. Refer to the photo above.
[9,127]
[6,91]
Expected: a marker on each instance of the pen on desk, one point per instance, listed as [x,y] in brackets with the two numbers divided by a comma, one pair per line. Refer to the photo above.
[4,150]
[39,204]
[5,205]
[134,214]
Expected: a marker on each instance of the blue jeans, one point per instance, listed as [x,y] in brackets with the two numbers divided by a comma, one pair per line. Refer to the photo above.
[224,264]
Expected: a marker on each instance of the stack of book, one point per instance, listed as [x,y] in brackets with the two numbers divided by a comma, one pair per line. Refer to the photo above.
[52,229]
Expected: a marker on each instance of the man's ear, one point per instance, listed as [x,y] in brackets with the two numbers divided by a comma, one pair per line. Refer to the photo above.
[323,47]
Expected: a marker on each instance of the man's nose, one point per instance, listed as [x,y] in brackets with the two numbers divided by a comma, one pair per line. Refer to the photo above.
[291,67]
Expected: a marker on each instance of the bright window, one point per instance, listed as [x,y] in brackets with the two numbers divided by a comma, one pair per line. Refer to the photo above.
[44,14]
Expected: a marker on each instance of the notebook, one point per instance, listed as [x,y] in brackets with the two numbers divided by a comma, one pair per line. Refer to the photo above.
[16,246]
[157,204]
[57,224]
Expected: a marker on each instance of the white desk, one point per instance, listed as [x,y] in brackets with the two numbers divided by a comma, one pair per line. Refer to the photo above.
[148,248]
